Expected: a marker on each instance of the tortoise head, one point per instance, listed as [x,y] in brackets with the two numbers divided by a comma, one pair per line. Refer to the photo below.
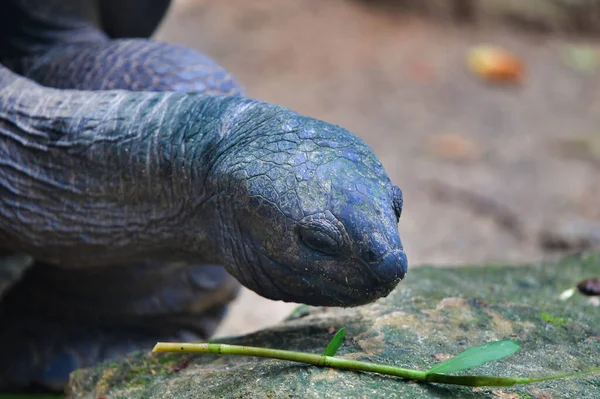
[314,215]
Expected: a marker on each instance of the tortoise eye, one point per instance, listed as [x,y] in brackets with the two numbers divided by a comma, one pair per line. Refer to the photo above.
[397,201]
[322,236]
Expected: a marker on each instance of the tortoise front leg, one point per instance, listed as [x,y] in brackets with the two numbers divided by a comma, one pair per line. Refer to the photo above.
[62,320]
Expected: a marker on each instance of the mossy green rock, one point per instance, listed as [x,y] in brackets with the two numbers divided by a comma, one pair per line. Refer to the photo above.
[433,314]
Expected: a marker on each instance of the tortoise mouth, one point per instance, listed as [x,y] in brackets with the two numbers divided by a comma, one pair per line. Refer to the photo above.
[359,285]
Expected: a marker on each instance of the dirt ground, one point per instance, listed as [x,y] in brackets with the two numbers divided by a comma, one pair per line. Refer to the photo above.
[488,171]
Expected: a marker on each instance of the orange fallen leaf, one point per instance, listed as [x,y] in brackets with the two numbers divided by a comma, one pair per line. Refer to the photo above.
[495,64]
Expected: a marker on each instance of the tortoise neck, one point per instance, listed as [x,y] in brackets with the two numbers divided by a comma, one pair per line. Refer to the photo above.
[110,176]
[30,27]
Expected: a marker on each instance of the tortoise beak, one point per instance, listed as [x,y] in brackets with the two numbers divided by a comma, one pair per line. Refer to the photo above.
[392,267]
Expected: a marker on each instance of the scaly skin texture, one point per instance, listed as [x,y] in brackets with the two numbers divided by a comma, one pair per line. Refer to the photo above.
[132,202]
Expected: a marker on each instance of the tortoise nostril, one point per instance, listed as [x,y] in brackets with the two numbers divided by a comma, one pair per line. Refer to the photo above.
[392,266]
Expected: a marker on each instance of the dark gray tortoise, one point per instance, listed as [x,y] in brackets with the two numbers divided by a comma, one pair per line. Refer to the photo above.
[138,186]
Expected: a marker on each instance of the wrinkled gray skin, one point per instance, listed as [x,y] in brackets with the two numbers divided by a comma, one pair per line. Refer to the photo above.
[140,180]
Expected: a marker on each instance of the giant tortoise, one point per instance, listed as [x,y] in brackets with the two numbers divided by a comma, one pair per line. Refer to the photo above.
[138,186]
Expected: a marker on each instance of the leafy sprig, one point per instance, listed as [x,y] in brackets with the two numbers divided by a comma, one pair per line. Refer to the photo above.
[472,357]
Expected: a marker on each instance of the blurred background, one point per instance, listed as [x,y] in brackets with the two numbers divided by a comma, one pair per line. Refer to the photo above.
[486,113]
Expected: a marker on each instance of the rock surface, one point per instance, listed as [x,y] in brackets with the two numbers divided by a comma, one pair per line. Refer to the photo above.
[434,313]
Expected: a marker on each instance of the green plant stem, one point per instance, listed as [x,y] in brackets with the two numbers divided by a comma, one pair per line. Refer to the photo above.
[564,375]
[336,362]
[301,357]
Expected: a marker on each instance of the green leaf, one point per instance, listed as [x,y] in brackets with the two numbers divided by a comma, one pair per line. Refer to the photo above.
[584,59]
[335,343]
[476,356]
[557,321]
